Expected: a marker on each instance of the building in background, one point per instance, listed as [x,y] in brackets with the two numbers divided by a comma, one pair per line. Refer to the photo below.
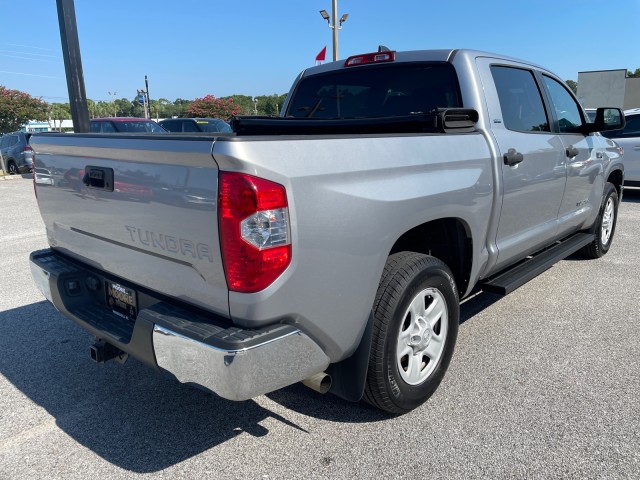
[51,126]
[608,88]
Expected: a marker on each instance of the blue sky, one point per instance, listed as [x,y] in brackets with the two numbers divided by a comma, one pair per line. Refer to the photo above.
[191,48]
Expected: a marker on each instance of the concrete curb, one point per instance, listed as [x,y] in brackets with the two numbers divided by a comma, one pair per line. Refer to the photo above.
[14,177]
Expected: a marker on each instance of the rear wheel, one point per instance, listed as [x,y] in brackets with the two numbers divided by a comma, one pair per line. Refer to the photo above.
[13,169]
[605,224]
[416,315]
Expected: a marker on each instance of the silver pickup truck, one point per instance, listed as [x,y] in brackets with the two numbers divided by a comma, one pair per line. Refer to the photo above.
[331,245]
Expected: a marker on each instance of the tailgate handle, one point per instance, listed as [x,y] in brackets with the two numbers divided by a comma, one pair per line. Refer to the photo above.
[98,177]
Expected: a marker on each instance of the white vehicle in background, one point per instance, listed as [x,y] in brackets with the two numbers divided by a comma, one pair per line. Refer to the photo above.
[629,139]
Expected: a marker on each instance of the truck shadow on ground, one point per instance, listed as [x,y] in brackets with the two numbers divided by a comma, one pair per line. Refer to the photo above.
[125,414]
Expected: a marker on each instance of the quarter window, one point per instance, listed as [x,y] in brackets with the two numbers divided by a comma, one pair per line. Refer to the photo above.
[520,100]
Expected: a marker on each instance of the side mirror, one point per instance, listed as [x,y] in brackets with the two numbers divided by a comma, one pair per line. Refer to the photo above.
[606,119]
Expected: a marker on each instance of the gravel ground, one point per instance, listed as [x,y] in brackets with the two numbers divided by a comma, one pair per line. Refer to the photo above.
[544,383]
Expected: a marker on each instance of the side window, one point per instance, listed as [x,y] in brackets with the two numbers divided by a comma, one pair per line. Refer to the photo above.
[94,127]
[190,126]
[107,127]
[520,100]
[567,110]
[172,126]
[632,129]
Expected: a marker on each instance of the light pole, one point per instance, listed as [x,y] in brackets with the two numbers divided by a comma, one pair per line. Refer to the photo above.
[334,24]
[113,97]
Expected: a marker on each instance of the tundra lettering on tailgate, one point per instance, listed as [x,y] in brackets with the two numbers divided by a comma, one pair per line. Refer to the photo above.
[169,243]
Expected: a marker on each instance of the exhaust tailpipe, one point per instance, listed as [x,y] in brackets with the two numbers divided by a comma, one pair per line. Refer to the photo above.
[320,382]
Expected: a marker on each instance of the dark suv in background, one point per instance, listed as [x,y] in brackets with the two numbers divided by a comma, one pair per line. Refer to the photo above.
[196,125]
[16,153]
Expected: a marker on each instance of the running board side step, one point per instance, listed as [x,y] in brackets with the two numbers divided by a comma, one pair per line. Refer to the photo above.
[507,281]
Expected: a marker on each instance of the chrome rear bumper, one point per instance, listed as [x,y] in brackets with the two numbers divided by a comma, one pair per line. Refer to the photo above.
[193,346]
[239,374]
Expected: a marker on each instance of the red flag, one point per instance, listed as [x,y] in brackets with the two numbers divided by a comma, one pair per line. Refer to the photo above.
[321,56]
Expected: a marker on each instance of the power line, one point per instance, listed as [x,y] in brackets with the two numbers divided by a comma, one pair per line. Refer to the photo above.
[29,74]
[27,46]
[25,58]
[32,54]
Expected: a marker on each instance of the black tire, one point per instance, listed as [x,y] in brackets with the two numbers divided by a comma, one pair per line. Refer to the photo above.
[13,169]
[605,225]
[397,382]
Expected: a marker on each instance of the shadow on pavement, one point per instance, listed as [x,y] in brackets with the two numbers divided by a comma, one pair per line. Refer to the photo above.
[127,415]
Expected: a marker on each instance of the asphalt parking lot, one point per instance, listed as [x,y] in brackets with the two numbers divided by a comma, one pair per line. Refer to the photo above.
[544,383]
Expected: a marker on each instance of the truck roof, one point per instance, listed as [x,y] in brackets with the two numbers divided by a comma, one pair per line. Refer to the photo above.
[441,55]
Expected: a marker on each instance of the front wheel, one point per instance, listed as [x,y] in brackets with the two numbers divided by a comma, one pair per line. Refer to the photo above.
[605,224]
[416,316]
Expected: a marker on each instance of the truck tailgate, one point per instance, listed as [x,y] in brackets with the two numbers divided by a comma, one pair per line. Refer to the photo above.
[142,208]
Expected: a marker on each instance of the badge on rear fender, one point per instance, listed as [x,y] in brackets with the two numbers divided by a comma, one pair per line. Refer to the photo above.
[121,300]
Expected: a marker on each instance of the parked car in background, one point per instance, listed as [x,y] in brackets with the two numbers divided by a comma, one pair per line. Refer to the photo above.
[195,125]
[16,152]
[629,139]
[124,125]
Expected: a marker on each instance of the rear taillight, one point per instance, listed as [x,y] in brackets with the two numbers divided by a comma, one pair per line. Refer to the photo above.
[254,231]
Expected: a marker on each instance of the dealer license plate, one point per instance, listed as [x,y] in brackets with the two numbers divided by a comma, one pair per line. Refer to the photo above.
[121,300]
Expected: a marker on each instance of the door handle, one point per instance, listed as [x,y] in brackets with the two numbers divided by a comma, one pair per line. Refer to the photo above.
[572,152]
[512,157]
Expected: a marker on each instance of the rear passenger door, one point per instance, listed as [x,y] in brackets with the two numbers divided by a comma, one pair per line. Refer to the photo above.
[532,158]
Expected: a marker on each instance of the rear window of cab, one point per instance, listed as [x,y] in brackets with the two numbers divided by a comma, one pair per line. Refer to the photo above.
[377,91]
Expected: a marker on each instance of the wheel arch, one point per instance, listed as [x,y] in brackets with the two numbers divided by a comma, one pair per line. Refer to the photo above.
[448,239]
[616,177]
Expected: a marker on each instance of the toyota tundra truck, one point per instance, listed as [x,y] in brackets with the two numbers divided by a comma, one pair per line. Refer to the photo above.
[331,245]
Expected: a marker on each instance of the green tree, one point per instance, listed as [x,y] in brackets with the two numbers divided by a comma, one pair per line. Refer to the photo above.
[104,109]
[17,108]
[270,104]
[179,107]
[210,106]
[572,85]
[125,108]
[59,112]
[245,102]
[635,74]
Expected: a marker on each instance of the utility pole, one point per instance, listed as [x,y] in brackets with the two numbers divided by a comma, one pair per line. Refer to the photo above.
[73,65]
[146,84]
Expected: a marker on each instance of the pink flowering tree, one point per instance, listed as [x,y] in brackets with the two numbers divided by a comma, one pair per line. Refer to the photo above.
[211,106]
[17,108]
